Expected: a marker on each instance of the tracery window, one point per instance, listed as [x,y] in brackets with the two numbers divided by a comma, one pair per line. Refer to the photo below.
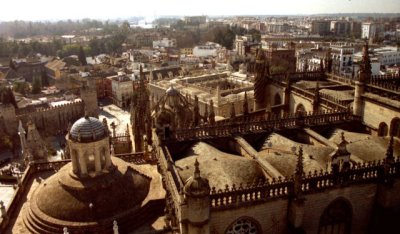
[336,218]
[244,225]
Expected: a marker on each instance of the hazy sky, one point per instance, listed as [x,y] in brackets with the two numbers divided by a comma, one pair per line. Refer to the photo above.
[100,9]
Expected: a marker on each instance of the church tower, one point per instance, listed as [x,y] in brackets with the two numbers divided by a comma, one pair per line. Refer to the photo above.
[35,146]
[89,98]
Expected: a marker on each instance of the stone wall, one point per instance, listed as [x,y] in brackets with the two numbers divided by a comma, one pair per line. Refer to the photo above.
[374,114]
[296,100]
[270,215]
[54,119]
[361,198]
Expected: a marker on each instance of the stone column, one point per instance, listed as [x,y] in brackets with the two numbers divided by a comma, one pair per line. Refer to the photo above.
[107,159]
[82,162]
[359,91]
[97,161]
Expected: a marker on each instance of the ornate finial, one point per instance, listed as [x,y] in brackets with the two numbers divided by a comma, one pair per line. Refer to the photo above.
[299,166]
[211,115]
[389,151]
[342,136]
[245,105]
[233,114]
[115,227]
[86,114]
[196,169]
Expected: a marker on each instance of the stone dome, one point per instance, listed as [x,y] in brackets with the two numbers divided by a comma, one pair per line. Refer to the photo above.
[171,91]
[196,186]
[87,129]
[89,205]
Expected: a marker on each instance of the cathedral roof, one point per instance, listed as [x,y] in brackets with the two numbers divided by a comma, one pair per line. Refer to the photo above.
[87,129]
[218,167]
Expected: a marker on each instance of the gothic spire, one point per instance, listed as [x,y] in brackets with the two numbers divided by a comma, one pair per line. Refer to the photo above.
[316,97]
[196,113]
[233,114]
[298,176]
[260,84]
[245,105]
[389,151]
[299,165]
[365,66]
[205,117]
[211,115]
[196,174]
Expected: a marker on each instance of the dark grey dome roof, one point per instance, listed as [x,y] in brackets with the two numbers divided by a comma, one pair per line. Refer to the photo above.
[87,129]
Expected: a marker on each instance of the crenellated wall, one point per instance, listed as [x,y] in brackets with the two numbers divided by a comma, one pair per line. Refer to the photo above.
[54,119]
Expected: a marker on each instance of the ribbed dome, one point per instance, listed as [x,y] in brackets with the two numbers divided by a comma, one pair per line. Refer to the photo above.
[196,186]
[87,129]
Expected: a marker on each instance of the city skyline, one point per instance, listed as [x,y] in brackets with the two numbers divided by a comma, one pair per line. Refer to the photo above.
[75,9]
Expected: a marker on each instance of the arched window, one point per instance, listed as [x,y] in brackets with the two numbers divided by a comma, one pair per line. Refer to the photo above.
[244,225]
[336,218]
[383,129]
[395,127]
[277,99]
[300,109]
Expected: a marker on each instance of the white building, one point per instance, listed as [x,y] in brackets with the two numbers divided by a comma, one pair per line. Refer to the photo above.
[241,42]
[371,30]
[165,42]
[343,57]
[388,55]
[122,89]
[210,49]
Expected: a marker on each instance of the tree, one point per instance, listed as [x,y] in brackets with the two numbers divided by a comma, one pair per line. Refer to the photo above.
[21,87]
[82,56]
[256,34]
[7,97]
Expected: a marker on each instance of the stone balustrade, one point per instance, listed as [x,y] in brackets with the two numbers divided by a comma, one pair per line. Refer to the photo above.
[312,182]
[235,197]
[139,157]
[273,123]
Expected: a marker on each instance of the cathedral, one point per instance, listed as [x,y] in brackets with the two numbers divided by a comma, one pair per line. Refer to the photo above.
[319,154]
[311,152]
